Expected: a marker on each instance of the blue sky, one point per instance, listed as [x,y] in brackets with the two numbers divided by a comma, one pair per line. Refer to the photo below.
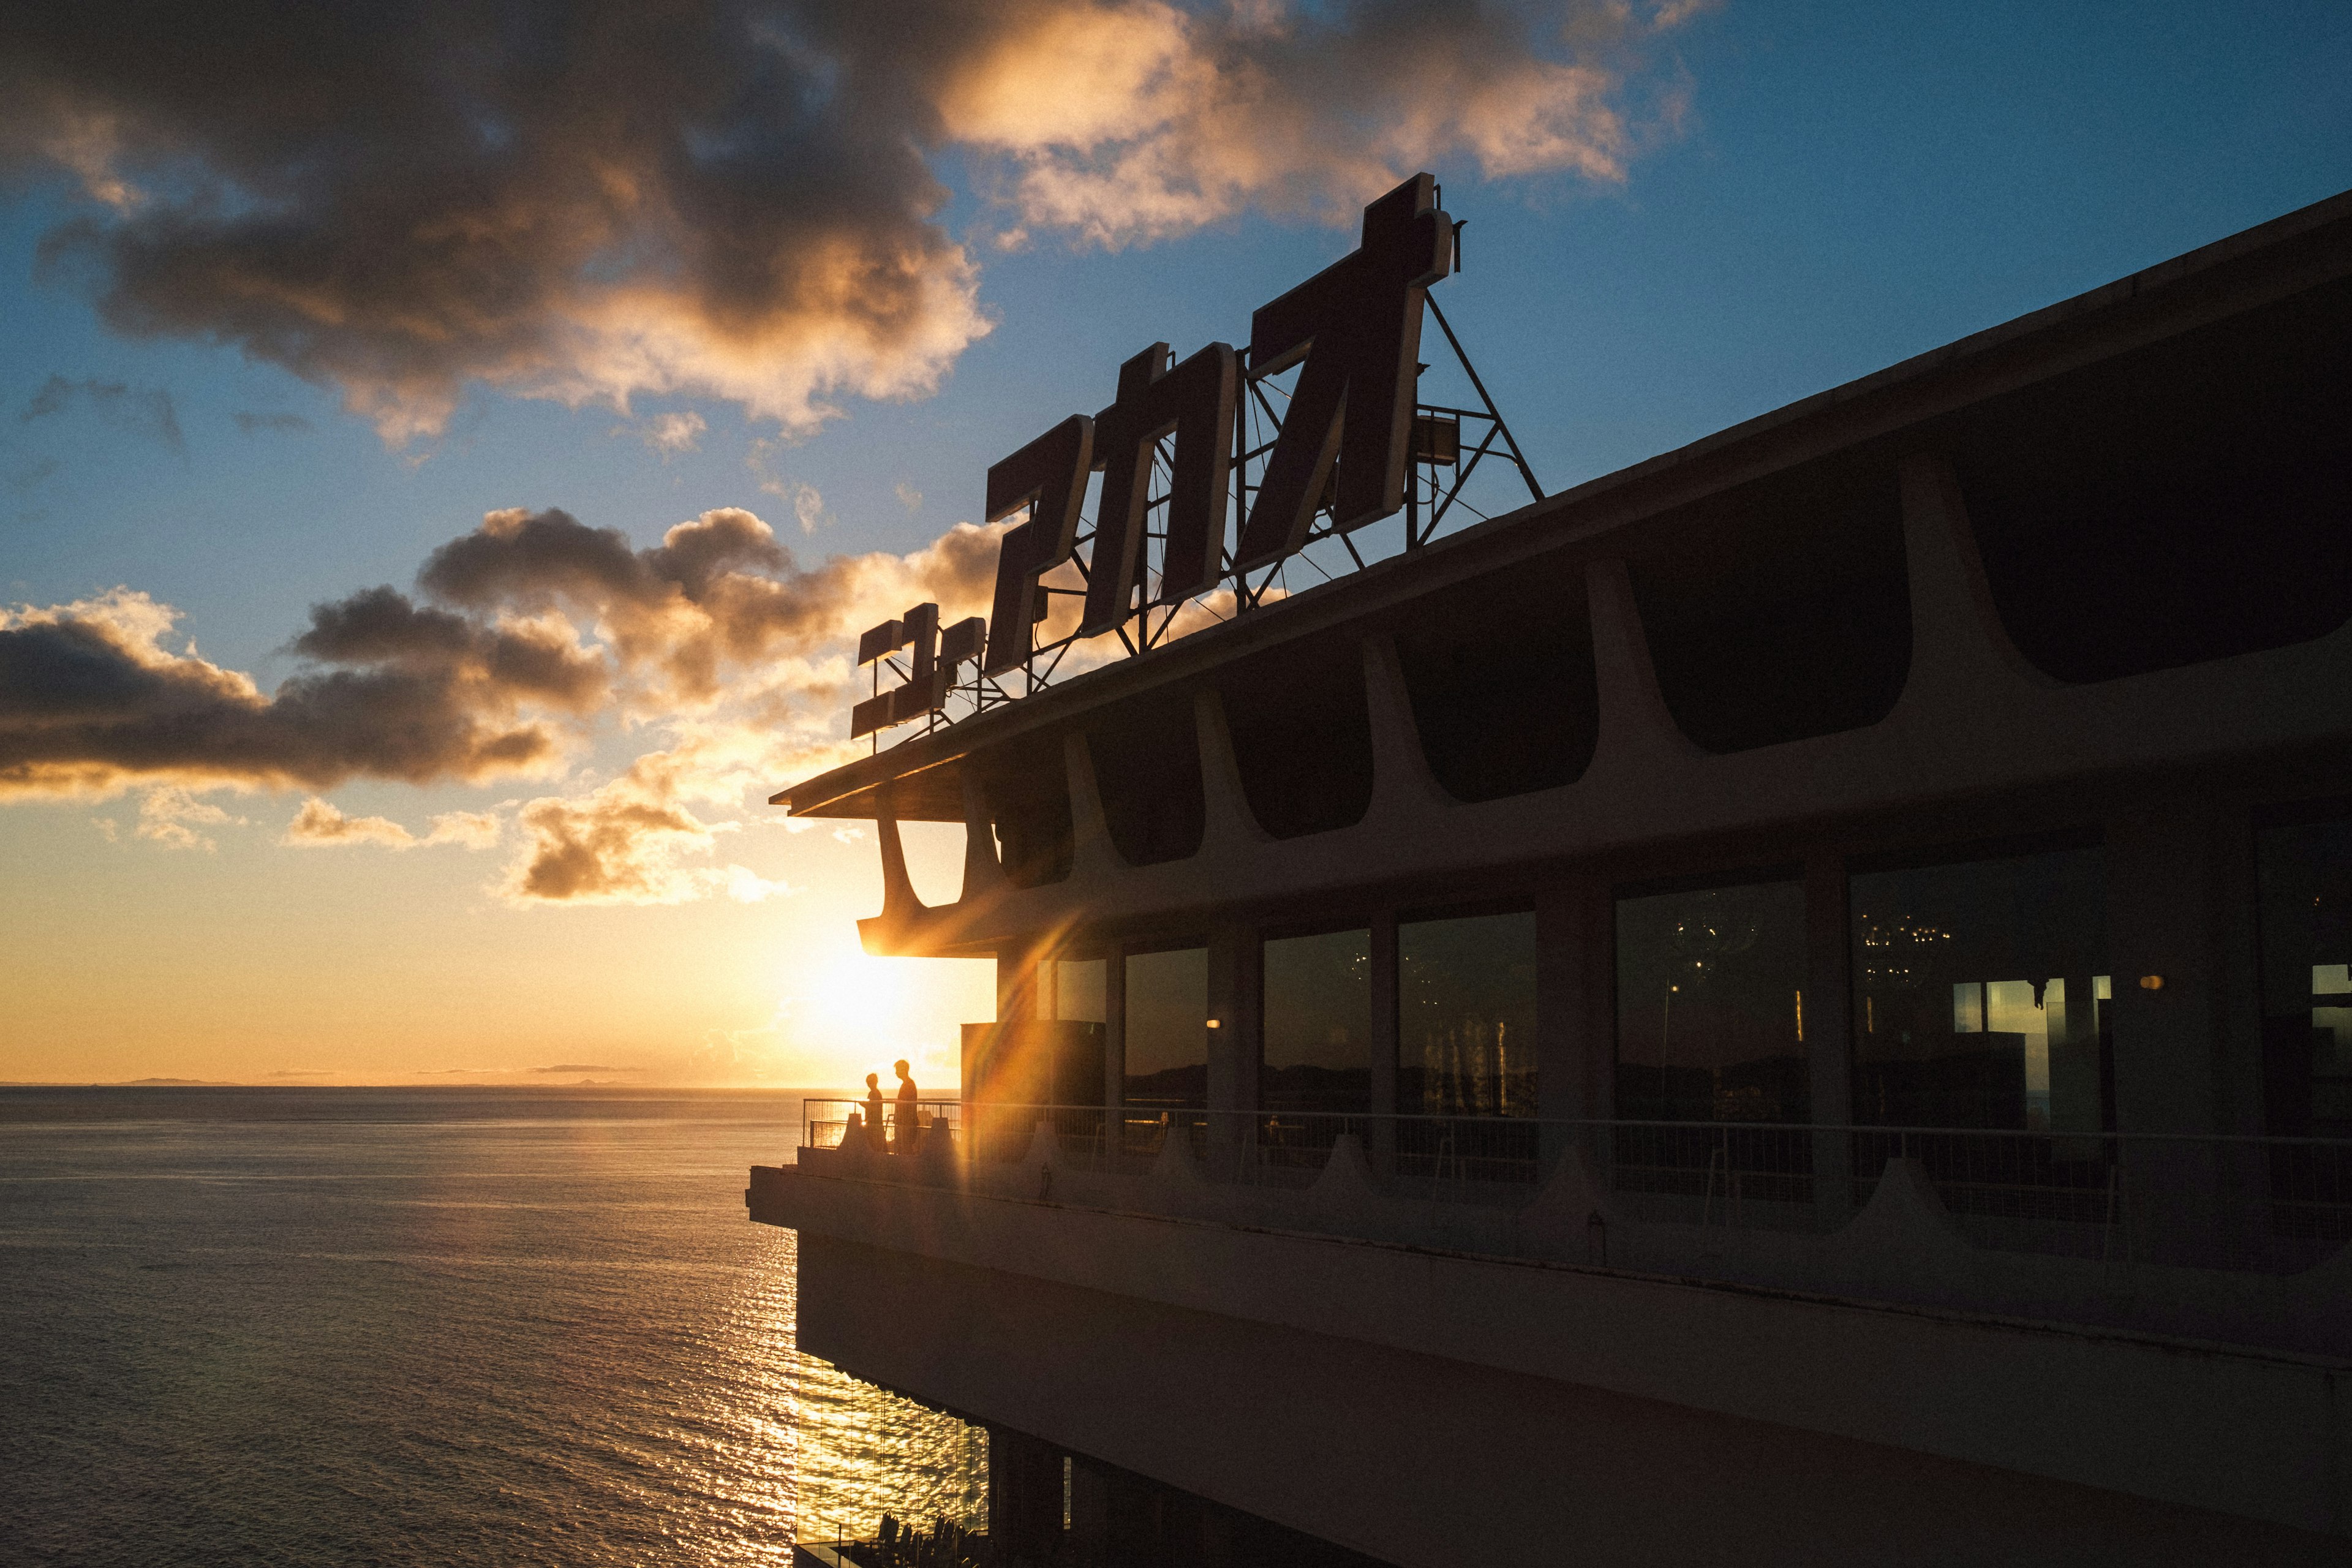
[1846,185]
[1855,184]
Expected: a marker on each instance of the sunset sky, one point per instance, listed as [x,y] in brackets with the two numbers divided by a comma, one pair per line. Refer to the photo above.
[447,452]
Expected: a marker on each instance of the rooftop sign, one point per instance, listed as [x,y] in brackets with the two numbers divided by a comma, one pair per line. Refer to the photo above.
[1178,457]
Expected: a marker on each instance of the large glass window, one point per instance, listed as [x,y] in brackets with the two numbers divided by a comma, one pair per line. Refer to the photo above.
[1466,1016]
[2307,937]
[1711,1006]
[1981,994]
[1317,1023]
[1167,1028]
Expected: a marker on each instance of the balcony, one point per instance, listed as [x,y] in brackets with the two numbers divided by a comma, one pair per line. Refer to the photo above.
[2236,1241]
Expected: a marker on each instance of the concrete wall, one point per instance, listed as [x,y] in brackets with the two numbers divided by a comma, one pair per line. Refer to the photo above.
[1422,1460]
[2254,1434]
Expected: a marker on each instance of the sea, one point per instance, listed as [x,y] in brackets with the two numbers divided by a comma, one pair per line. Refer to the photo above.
[444,1325]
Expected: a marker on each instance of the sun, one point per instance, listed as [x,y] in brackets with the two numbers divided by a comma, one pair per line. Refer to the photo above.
[844,1013]
[854,997]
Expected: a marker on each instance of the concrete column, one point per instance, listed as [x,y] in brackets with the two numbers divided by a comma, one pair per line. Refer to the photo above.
[899,900]
[1024,1495]
[1090,1513]
[1829,1033]
[1093,856]
[2165,897]
[983,875]
[2187,1054]
[1384,1100]
[1020,993]
[1639,746]
[1019,999]
[1576,1025]
[1227,826]
[1114,1040]
[1234,998]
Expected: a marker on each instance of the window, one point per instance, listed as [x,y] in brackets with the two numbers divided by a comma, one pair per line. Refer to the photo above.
[1167,1028]
[1317,1023]
[1981,994]
[1466,1016]
[1710,1006]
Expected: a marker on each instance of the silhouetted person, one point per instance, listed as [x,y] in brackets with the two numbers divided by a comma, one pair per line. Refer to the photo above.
[873,1132]
[908,1111]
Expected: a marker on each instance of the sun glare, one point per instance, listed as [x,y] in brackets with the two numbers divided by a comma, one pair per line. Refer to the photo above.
[845,1014]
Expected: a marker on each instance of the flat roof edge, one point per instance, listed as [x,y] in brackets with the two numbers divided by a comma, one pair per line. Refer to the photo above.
[922,752]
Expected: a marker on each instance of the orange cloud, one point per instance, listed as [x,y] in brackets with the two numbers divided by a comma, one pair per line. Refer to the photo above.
[524,639]
[1135,120]
[320,824]
[601,201]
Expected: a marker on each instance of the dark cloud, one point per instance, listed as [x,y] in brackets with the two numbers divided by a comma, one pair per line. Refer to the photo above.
[90,700]
[381,627]
[716,591]
[573,1066]
[280,423]
[143,410]
[484,674]
[591,199]
[570,198]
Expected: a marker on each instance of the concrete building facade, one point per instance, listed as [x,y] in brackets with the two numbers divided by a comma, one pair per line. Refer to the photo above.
[1787,1004]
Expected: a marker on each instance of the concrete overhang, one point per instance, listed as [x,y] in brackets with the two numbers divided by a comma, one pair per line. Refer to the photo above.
[1898,407]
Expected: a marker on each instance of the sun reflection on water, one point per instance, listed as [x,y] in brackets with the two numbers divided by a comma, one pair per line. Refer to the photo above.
[338,1327]
[856,1451]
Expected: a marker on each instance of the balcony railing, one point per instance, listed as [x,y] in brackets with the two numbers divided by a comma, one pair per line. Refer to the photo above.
[2263,1205]
[826,1124]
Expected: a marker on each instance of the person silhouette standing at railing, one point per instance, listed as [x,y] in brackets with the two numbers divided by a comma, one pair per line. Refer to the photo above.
[875,1135]
[904,1128]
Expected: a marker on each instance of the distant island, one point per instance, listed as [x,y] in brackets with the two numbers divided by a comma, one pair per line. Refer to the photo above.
[125,1083]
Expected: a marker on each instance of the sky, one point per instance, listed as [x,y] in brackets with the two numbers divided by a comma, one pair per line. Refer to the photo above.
[447,455]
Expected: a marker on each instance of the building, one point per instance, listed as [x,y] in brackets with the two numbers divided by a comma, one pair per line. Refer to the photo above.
[1786,1004]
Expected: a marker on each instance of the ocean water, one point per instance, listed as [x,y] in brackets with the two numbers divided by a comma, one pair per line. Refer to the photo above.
[385,1326]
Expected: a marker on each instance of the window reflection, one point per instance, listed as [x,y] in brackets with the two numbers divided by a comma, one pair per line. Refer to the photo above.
[1710,1006]
[1981,994]
[1167,1027]
[1466,1016]
[1317,1023]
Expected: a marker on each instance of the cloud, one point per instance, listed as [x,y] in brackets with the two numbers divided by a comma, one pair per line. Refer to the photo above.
[141,410]
[523,635]
[717,593]
[631,841]
[575,1066]
[599,201]
[320,824]
[1131,122]
[277,424]
[91,703]
[522,642]
[671,434]
[908,497]
[584,202]
[165,815]
[807,503]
